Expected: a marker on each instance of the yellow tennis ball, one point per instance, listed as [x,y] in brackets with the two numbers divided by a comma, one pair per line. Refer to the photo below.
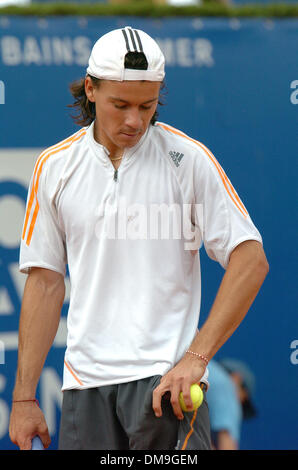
[196,394]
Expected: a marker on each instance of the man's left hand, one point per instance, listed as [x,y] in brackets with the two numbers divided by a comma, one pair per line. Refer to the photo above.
[188,371]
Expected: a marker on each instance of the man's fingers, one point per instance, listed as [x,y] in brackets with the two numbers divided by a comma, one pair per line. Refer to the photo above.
[175,402]
[186,396]
[173,391]
[25,444]
[23,434]
[157,394]
[45,438]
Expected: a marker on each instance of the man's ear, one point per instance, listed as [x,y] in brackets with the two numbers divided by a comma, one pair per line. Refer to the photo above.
[89,89]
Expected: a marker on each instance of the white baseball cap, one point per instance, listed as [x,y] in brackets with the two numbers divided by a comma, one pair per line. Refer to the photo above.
[107,59]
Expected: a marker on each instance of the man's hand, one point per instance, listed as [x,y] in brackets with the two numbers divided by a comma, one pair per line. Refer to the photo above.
[26,421]
[188,370]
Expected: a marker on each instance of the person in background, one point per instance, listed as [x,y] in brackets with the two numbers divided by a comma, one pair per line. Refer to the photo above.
[230,400]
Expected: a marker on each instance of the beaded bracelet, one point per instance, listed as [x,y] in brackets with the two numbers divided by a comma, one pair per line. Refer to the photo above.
[20,401]
[200,356]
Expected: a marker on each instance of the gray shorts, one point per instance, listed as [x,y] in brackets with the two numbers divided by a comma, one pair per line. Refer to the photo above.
[120,417]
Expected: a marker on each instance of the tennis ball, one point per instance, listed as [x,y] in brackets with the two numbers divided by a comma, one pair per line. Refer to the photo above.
[196,394]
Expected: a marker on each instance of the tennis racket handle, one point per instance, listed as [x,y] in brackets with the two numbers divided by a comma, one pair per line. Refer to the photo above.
[37,444]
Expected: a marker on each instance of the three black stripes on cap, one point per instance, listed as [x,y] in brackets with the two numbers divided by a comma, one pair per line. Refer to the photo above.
[134,36]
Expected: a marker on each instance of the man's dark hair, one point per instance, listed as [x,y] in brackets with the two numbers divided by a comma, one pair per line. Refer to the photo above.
[85,109]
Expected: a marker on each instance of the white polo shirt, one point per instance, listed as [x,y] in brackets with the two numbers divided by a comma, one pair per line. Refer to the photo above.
[126,238]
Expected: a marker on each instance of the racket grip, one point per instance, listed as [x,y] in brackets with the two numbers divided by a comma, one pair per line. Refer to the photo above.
[37,444]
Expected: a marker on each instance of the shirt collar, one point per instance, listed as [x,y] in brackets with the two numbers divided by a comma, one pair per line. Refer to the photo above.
[102,152]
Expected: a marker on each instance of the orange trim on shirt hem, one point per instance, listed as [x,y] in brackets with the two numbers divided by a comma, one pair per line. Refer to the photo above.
[72,373]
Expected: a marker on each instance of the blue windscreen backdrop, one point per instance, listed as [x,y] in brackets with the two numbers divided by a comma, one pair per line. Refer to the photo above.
[231,84]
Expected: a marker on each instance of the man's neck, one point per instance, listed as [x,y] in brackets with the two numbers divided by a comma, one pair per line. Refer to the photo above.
[114,152]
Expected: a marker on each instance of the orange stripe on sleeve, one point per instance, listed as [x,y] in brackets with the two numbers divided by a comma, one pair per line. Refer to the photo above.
[220,169]
[34,216]
[35,187]
[32,193]
[227,184]
[72,373]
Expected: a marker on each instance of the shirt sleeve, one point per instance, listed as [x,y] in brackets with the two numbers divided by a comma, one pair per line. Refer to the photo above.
[43,241]
[224,220]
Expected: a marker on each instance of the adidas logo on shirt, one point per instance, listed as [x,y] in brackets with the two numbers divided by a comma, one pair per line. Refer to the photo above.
[176,157]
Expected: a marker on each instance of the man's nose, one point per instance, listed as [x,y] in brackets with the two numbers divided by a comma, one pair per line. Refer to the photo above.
[133,119]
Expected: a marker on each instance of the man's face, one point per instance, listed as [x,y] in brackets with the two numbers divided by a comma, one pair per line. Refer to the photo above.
[123,111]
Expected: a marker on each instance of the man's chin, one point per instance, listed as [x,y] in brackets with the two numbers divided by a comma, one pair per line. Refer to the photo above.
[130,140]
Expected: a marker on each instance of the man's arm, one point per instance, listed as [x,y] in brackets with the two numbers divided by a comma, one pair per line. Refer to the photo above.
[241,282]
[40,314]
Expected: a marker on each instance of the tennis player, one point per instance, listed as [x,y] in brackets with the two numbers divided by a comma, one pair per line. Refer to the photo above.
[135,295]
